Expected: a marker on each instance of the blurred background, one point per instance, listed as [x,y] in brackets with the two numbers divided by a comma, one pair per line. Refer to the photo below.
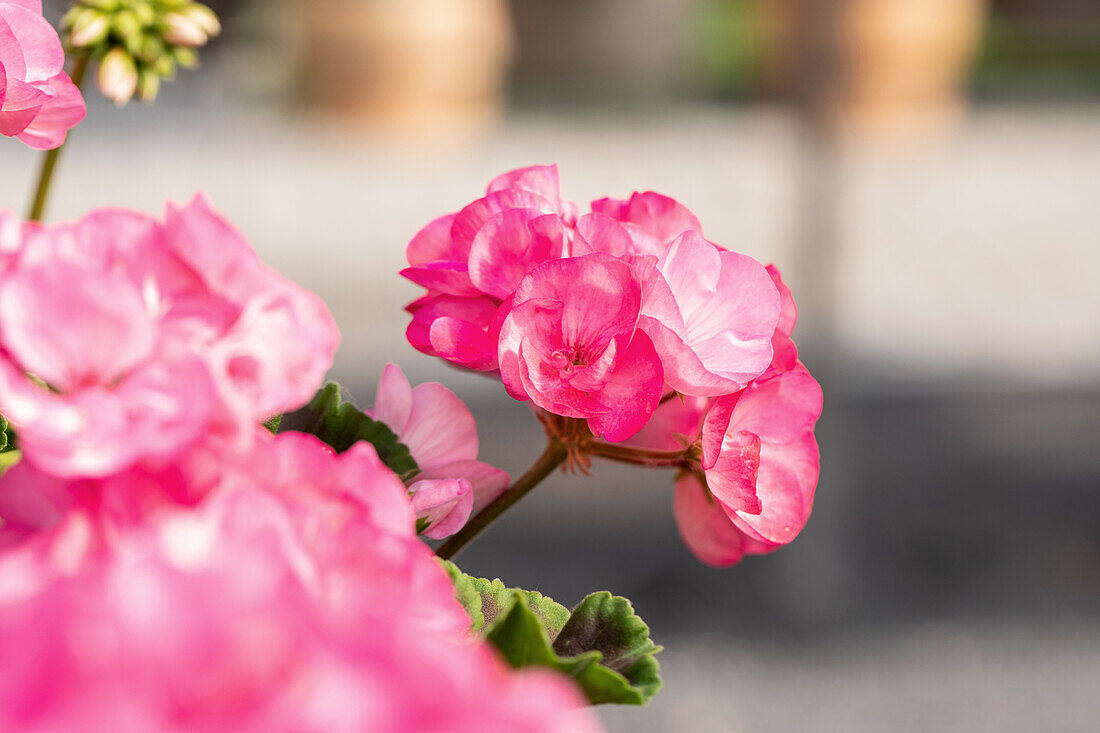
[926,173]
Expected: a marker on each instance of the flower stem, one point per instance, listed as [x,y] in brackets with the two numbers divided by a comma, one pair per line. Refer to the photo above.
[555,454]
[641,456]
[49,161]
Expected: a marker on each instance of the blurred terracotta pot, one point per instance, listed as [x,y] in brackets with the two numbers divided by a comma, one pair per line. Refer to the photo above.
[416,65]
[899,62]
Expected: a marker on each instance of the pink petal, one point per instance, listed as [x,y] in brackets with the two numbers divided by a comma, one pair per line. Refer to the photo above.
[780,409]
[440,428]
[393,399]
[58,115]
[38,44]
[785,485]
[704,526]
[509,245]
[733,477]
[540,179]
[598,232]
[632,393]
[433,243]
[75,328]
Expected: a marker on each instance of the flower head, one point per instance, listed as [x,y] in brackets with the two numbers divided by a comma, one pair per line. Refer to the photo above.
[127,339]
[39,104]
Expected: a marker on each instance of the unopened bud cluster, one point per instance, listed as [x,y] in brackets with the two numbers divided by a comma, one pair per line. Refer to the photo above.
[138,43]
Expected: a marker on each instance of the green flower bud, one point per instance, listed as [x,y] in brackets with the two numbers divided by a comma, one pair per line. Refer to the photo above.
[148,84]
[186,57]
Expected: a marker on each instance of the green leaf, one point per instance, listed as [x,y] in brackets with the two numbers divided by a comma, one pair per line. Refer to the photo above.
[7,437]
[607,624]
[466,594]
[603,645]
[342,425]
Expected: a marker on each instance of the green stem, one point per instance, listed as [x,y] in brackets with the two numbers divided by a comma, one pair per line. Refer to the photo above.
[641,456]
[49,162]
[554,456]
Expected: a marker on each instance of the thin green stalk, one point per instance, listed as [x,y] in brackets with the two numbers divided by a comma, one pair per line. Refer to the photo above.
[49,161]
[554,456]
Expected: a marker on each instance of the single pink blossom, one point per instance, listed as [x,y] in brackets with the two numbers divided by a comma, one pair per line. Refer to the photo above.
[39,104]
[304,604]
[570,345]
[711,315]
[760,457]
[441,434]
[126,339]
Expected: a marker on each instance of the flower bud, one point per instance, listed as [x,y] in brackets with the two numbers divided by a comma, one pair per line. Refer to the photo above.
[88,28]
[118,76]
[148,84]
[182,30]
[204,17]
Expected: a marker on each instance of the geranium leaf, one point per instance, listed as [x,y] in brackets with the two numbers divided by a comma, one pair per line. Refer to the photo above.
[602,644]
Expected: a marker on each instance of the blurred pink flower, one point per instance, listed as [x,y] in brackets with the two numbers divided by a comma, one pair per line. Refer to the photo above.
[570,345]
[127,339]
[294,598]
[39,104]
[711,315]
[441,435]
[760,457]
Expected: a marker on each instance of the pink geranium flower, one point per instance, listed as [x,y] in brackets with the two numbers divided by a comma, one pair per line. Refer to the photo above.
[570,344]
[711,315]
[295,597]
[124,338]
[39,104]
[760,457]
[441,435]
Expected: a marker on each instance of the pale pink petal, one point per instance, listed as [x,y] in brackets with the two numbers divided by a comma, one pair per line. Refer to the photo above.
[598,232]
[393,399]
[781,487]
[61,113]
[440,428]
[42,55]
[72,328]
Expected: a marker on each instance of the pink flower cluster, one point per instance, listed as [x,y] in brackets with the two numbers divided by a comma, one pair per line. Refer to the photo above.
[601,316]
[39,104]
[295,598]
[127,340]
[760,460]
[166,564]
